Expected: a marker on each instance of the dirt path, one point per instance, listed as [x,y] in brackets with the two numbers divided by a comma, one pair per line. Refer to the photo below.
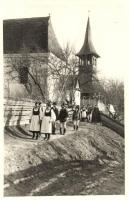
[88,162]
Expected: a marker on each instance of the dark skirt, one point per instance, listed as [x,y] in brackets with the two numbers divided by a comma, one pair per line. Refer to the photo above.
[96,116]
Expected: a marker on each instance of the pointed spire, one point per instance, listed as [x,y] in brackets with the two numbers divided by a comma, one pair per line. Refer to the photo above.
[88,47]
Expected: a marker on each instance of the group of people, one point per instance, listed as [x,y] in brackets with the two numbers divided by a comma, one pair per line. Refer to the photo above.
[85,114]
[90,113]
[43,120]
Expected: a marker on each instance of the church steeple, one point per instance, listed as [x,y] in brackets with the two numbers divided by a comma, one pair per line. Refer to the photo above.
[87,63]
[88,47]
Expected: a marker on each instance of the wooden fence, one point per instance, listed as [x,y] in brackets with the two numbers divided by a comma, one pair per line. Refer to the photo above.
[17,112]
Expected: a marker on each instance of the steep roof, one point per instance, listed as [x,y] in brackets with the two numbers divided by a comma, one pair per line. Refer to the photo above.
[36,34]
[88,47]
[53,44]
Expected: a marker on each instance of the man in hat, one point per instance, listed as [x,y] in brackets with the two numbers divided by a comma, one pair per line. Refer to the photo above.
[63,115]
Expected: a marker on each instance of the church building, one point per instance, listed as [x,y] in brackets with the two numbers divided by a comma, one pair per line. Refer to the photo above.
[28,45]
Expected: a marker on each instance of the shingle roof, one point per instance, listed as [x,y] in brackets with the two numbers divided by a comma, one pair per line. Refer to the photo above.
[88,47]
[36,34]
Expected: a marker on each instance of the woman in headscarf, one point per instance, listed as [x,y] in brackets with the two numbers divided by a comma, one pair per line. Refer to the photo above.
[48,116]
[96,115]
[35,121]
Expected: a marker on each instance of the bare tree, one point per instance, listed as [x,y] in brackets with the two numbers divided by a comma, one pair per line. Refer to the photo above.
[32,70]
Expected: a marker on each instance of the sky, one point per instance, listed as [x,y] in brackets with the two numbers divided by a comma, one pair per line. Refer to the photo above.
[109,26]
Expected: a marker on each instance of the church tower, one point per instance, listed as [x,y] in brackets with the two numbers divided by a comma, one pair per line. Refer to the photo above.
[87,63]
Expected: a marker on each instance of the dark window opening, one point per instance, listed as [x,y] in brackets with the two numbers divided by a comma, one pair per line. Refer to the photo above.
[23,75]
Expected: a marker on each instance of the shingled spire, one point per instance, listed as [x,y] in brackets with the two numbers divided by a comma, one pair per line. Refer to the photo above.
[87,63]
[88,47]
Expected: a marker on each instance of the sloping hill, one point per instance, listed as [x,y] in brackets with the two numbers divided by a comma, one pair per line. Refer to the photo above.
[89,158]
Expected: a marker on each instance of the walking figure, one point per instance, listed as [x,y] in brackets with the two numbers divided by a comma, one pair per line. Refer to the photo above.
[76,118]
[63,115]
[35,121]
[48,116]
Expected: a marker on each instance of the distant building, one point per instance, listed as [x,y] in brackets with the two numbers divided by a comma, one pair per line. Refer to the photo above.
[87,62]
[32,40]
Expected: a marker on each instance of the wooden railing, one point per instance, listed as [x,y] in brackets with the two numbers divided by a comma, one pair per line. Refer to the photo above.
[17,112]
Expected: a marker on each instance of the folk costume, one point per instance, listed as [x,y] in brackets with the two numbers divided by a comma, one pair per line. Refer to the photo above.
[96,115]
[63,115]
[35,121]
[83,114]
[76,118]
[89,113]
[48,116]
[55,109]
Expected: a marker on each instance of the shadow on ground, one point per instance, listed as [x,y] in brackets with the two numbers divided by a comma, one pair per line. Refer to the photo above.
[17,132]
[65,178]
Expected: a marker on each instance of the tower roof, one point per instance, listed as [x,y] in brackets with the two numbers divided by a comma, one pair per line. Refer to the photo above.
[88,47]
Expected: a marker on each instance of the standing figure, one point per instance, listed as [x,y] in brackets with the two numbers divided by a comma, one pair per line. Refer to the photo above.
[89,111]
[35,121]
[48,116]
[55,109]
[96,115]
[41,111]
[76,118]
[83,114]
[63,115]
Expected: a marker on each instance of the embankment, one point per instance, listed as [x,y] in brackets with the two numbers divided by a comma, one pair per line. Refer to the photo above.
[86,144]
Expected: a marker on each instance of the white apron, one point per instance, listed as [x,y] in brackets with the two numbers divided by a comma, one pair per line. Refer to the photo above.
[35,122]
[46,125]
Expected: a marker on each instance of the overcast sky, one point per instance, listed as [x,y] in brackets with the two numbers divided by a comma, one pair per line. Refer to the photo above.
[109,25]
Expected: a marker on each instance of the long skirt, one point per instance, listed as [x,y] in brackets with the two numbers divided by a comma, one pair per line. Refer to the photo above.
[95,116]
[46,126]
[35,123]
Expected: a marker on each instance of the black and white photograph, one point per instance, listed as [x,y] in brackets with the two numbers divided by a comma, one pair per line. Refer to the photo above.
[64,70]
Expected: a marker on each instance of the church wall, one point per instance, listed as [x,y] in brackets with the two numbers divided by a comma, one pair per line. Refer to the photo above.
[12,84]
[40,67]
